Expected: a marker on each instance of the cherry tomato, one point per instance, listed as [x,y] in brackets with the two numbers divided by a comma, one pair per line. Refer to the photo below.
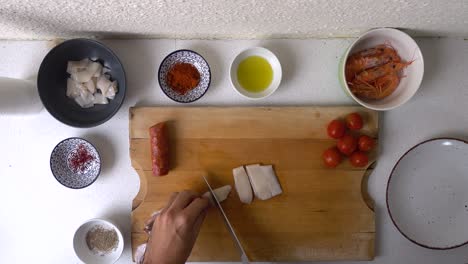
[331,157]
[359,159]
[347,144]
[365,143]
[354,121]
[336,129]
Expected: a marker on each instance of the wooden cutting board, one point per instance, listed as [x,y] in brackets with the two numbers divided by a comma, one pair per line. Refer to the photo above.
[322,213]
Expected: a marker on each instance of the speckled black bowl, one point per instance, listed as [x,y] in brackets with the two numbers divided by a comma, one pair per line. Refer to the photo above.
[59,164]
[185,56]
[52,82]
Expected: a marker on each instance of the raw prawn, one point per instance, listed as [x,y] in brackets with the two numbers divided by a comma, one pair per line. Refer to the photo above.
[378,89]
[370,58]
[380,71]
[374,73]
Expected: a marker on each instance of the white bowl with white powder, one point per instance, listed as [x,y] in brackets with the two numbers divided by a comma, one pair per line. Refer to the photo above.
[98,241]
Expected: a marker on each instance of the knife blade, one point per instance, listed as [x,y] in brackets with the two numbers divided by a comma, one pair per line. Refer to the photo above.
[244,257]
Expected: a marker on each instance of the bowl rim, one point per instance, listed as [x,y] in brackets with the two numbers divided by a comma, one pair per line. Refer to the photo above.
[345,58]
[101,220]
[78,124]
[190,51]
[387,193]
[99,158]
[273,57]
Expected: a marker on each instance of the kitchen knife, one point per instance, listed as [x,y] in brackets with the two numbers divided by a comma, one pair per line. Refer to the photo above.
[244,258]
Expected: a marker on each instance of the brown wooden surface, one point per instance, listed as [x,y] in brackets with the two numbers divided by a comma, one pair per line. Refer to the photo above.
[321,214]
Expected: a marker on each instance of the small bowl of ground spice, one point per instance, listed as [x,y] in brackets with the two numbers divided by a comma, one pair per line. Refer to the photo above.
[75,163]
[184,76]
[98,241]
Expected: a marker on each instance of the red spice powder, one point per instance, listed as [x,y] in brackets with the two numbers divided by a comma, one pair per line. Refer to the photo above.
[183,77]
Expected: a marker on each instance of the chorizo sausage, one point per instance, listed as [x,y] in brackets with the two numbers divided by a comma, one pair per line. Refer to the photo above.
[159,149]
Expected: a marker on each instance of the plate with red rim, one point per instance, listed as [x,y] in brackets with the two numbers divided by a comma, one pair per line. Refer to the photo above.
[427,194]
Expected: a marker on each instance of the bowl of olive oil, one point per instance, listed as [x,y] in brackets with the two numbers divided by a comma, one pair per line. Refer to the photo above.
[255,73]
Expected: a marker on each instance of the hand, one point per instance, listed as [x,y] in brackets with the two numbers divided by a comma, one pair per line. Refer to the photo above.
[176,228]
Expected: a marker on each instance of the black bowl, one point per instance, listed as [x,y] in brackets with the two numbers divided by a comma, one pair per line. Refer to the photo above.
[52,82]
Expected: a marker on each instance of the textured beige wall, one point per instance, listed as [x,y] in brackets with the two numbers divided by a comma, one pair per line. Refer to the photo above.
[45,19]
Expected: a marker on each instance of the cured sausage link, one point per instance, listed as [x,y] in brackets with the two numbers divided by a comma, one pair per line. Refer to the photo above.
[159,149]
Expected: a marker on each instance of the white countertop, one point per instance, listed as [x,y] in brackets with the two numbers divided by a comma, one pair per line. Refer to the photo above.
[39,216]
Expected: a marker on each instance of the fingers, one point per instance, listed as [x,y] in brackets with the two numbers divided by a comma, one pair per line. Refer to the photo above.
[150,220]
[170,201]
[195,209]
[182,200]
[199,221]
[191,205]
[149,223]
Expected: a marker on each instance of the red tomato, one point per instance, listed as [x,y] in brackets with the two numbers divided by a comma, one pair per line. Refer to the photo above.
[336,129]
[347,144]
[365,143]
[354,121]
[331,157]
[359,159]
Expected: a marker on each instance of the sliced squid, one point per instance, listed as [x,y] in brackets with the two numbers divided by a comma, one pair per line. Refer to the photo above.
[86,99]
[103,84]
[100,99]
[275,187]
[112,90]
[242,184]
[95,68]
[76,66]
[72,88]
[90,86]
[221,193]
[89,83]
[82,76]
[264,182]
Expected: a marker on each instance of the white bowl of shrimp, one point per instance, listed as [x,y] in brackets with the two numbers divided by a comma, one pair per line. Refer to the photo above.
[382,69]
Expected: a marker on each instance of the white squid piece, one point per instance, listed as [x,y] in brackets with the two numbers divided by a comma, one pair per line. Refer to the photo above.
[76,66]
[72,88]
[82,76]
[95,68]
[242,184]
[86,99]
[275,187]
[90,86]
[221,193]
[112,90]
[264,182]
[103,84]
[89,83]
[100,99]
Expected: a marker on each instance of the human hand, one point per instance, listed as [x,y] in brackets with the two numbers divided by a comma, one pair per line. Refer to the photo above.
[175,229]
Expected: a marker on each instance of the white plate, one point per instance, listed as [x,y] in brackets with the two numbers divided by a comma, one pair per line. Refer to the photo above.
[408,50]
[275,65]
[427,194]
[85,254]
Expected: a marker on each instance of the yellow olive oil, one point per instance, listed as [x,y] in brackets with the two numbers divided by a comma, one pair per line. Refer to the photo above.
[254,74]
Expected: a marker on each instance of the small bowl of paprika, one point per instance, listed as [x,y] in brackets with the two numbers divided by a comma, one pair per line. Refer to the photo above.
[184,76]
[75,163]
